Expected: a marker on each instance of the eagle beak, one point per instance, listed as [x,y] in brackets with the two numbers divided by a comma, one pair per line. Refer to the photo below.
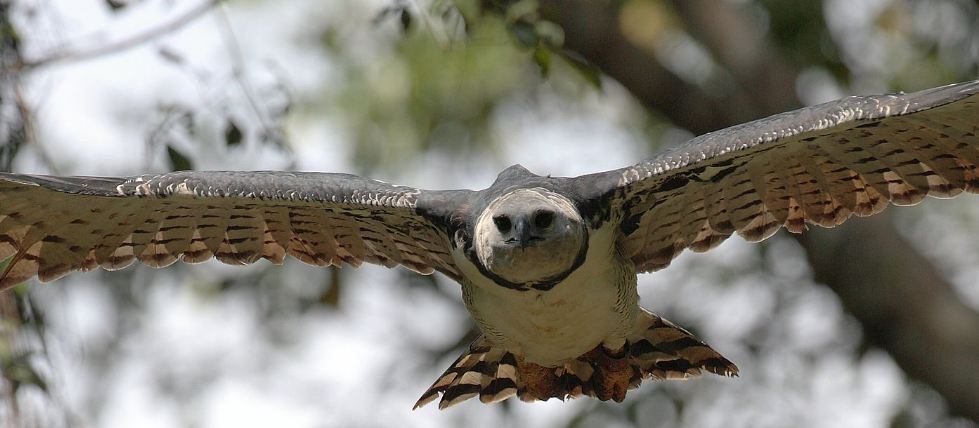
[524,235]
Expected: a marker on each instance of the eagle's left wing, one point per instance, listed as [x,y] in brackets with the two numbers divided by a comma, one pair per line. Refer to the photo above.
[50,226]
[814,165]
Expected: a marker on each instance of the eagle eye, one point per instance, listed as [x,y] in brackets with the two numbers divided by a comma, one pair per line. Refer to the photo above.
[502,223]
[543,219]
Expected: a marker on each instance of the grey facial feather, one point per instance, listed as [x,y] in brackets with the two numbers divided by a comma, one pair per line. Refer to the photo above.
[551,254]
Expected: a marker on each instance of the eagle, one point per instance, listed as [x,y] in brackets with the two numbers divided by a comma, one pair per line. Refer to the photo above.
[547,264]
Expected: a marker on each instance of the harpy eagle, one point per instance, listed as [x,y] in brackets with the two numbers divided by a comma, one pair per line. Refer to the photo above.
[547,265]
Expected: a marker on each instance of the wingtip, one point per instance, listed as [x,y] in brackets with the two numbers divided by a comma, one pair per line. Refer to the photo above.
[20,179]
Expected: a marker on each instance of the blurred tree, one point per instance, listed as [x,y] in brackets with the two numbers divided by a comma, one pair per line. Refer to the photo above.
[446,72]
[935,342]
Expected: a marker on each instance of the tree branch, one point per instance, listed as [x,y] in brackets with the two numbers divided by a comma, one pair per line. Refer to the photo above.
[592,30]
[739,45]
[79,54]
[904,305]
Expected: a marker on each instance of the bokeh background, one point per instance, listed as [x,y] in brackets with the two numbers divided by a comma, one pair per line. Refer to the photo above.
[873,324]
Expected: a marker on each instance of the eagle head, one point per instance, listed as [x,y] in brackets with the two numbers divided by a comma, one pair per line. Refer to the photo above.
[529,236]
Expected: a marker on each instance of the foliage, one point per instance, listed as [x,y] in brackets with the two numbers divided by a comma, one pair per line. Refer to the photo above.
[410,82]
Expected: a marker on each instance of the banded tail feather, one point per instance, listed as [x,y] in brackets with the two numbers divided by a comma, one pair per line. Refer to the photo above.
[658,350]
[484,370]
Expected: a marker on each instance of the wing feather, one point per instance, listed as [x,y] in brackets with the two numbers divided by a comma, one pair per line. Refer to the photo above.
[817,165]
[50,226]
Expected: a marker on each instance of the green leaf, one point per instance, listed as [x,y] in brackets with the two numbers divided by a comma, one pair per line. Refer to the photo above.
[400,11]
[405,19]
[9,38]
[116,5]
[232,134]
[525,32]
[584,68]
[19,371]
[21,290]
[543,57]
[178,162]
[171,56]
[549,33]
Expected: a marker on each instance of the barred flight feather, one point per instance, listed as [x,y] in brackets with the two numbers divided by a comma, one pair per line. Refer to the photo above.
[51,226]
[866,153]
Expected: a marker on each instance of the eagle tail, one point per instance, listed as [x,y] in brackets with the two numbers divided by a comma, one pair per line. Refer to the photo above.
[657,350]
[484,370]
[660,350]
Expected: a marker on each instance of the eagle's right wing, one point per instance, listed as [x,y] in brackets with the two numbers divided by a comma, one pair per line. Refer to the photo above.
[50,226]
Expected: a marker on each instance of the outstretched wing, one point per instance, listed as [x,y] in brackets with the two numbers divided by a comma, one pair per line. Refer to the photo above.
[54,225]
[815,165]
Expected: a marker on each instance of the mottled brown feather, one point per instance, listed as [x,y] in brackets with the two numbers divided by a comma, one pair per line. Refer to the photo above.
[49,233]
[790,178]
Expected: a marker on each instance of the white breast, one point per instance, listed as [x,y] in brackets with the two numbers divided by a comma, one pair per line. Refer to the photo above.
[598,302]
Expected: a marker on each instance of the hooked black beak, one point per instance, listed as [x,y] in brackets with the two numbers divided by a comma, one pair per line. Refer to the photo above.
[524,235]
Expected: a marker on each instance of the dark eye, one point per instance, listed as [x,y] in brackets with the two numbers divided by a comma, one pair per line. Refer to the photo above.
[543,219]
[502,223]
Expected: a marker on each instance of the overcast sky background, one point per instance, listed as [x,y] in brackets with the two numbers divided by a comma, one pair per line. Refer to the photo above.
[195,357]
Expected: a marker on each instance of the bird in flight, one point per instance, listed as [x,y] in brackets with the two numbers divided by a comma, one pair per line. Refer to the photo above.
[547,265]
